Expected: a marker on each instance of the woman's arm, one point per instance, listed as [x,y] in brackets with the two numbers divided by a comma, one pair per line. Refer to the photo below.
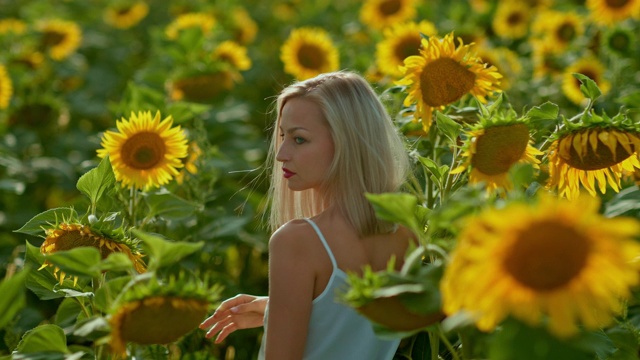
[291,283]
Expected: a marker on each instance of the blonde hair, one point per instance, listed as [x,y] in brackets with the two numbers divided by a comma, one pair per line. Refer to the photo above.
[369,155]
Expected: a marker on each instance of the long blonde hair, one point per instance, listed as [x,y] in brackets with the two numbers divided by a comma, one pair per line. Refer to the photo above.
[369,157]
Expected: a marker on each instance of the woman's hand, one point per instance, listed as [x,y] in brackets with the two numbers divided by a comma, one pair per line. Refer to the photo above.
[239,312]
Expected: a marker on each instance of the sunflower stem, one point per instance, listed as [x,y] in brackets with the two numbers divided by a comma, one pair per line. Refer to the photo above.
[132,205]
[434,342]
[447,343]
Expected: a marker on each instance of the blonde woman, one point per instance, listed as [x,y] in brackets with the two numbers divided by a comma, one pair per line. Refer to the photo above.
[333,141]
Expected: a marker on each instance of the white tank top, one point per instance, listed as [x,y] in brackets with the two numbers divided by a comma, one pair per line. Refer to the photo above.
[337,331]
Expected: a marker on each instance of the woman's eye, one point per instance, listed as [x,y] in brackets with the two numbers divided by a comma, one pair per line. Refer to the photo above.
[299,140]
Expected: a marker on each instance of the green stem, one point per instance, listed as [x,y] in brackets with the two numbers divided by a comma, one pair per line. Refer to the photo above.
[465,345]
[447,343]
[434,341]
[132,205]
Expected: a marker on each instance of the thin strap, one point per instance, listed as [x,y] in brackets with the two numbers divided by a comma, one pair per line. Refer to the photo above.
[324,242]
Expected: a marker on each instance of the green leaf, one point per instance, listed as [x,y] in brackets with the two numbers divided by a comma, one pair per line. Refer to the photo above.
[624,203]
[544,112]
[80,261]
[165,252]
[631,100]
[13,297]
[45,219]
[169,206]
[397,208]
[97,181]
[40,282]
[116,261]
[107,294]
[588,87]
[67,312]
[48,337]
[447,126]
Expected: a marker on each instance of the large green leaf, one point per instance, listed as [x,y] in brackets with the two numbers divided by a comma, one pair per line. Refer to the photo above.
[45,219]
[165,252]
[588,87]
[169,206]
[398,208]
[80,261]
[447,126]
[544,112]
[44,338]
[97,181]
[13,297]
[41,282]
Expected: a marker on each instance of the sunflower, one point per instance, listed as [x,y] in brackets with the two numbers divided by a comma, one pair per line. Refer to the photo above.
[6,88]
[202,87]
[494,146]
[190,162]
[557,29]
[551,262]
[124,17]
[243,27]
[60,38]
[378,14]
[442,74]
[511,20]
[546,60]
[205,22]
[596,152]
[401,41]
[610,12]
[619,41]
[31,60]
[309,52]
[505,60]
[145,152]
[590,67]
[233,54]
[11,25]
[67,236]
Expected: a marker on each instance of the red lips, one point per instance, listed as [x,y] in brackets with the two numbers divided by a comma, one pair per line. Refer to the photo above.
[287,173]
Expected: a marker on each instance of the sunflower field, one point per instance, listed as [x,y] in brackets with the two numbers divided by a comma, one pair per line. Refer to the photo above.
[132,191]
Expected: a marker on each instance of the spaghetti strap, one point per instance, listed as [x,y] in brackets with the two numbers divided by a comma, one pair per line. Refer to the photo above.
[324,242]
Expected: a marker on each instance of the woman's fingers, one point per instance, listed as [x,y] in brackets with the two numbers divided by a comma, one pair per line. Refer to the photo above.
[225,332]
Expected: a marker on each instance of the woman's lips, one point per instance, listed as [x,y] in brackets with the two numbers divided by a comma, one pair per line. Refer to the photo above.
[287,173]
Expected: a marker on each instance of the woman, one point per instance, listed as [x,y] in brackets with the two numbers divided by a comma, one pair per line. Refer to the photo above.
[333,142]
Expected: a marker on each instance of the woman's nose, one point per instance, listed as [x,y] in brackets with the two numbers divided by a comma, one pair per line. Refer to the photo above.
[282,154]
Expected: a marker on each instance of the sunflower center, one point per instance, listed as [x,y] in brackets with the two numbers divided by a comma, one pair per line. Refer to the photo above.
[311,57]
[547,255]
[72,239]
[444,81]
[515,18]
[601,158]
[52,38]
[616,3]
[619,42]
[390,7]
[124,11]
[143,150]
[499,148]
[566,32]
[408,46]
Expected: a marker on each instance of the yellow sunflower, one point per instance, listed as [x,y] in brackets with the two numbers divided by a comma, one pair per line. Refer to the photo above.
[511,20]
[67,236]
[546,60]
[190,162]
[124,17]
[504,59]
[32,60]
[145,152]
[205,22]
[60,38]
[309,52]
[378,14]
[202,87]
[442,74]
[401,41]
[494,145]
[610,12]
[593,155]
[555,262]
[590,67]
[244,28]
[233,54]
[6,88]
[557,29]
[11,25]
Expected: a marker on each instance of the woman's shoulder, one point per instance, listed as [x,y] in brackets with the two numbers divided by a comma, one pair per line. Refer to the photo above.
[293,233]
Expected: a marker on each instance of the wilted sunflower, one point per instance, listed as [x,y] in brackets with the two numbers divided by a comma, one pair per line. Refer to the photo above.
[557,29]
[159,313]
[6,88]
[309,52]
[511,20]
[124,17]
[401,41]
[607,12]
[233,54]
[590,67]
[555,262]
[60,38]
[619,41]
[190,162]
[494,146]
[145,152]
[11,25]
[595,153]
[378,14]
[67,236]
[202,87]
[442,74]
[205,22]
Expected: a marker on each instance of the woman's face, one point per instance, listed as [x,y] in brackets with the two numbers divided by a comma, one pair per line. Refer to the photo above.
[306,150]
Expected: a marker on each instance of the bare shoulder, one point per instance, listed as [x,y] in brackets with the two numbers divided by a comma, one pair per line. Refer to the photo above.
[291,236]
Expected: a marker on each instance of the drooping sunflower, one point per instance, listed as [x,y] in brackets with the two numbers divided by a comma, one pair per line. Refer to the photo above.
[401,41]
[145,152]
[190,162]
[13,26]
[70,235]
[378,14]
[205,22]
[125,17]
[551,262]
[159,312]
[608,12]
[493,146]
[619,41]
[308,52]
[60,38]
[442,74]
[6,88]
[589,66]
[557,29]
[202,87]
[234,54]
[511,20]
[593,153]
